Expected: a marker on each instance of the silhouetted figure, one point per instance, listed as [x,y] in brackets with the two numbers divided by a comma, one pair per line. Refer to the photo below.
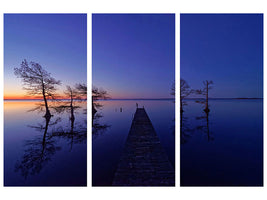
[120,109]
[37,82]
[136,105]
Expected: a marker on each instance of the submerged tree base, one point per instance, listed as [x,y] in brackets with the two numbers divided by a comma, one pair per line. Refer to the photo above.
[47,116]
[206,110]
[93,110]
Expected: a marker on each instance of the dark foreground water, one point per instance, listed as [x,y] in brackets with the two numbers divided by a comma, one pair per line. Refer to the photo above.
[224,148]
[111,127]
[40,152]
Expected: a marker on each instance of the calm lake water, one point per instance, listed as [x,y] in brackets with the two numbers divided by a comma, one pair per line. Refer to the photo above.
[111,127]
[224,148]
[38,152]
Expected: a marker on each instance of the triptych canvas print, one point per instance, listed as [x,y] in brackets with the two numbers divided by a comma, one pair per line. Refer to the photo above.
[131,100]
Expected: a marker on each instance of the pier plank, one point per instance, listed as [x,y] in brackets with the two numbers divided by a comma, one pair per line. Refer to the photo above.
[143,161]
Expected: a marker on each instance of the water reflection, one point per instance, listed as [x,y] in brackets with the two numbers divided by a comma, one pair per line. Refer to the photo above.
[74,135]
[39,150]
[204,127]
[186,129]
[98,128]
[235,158]
[111,126]
[78,132]
[41,144]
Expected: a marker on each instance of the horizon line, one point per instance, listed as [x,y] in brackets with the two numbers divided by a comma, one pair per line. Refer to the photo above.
[40,99]
[43,99]
[225,98]
[185,98]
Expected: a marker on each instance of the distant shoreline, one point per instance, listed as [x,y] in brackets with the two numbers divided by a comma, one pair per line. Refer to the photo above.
[139,99]
[221,98]
[40,100]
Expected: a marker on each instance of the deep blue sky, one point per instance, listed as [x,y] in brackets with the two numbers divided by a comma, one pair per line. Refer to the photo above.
[56,41]
[134,54]
[225,48]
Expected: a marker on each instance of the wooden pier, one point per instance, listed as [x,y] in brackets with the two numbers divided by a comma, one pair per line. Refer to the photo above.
[143,161]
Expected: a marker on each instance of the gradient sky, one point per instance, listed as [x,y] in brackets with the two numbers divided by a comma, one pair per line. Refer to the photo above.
[134,54]
[56,41]
[225,48]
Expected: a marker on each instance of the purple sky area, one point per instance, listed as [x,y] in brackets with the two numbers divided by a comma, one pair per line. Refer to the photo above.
[58,42]
[225,48]
[134,54]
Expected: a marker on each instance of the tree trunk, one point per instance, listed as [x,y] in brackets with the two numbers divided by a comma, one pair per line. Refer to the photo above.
[207,98]
[181,127]
[71,108]
[72,127]
[181,103]
[208,130]
[47,114]
[93,109]
[44,136]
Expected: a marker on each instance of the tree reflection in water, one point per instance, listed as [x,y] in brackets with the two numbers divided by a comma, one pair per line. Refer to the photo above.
[97,127]
[186,129]
[204,127]
[39,151]
[77,132]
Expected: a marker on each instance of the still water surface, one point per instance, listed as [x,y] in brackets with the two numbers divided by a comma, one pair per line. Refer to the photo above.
[224,148]
[111,127]
[38,152]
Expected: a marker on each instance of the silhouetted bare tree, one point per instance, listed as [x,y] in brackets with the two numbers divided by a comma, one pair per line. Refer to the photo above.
[37,81]
[81,90]
[97,94]
[73,95]
[185,91]
[173,89]
[205,91]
